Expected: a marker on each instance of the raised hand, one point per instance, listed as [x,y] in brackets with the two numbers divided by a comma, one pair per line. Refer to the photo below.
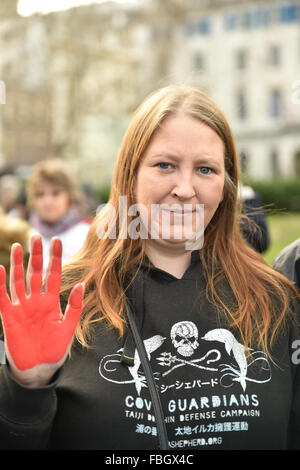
[37,335]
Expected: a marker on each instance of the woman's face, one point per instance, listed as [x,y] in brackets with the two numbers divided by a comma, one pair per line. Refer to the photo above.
[182,167]
[51,202]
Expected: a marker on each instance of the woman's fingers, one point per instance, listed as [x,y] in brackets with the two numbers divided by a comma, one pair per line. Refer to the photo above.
[53,274]
[35,266]
[5,303]
[17,283]
[73,310]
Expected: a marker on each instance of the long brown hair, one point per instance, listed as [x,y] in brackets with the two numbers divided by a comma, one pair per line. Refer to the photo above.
[104,263]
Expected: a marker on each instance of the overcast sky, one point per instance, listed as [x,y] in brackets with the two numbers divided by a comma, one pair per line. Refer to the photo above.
[29,7]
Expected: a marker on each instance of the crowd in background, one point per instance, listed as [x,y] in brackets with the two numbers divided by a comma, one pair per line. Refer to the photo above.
[50,202]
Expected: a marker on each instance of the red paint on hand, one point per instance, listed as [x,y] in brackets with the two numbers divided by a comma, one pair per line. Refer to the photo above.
[36,332]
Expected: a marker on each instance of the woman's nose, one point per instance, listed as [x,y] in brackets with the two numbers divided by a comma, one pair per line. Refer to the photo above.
[184,187]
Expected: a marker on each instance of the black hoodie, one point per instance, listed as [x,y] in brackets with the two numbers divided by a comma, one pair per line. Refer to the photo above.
[214,394]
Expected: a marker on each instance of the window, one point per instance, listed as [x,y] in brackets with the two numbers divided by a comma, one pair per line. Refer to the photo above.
[274,55]
[204,25]
[241,105]
[289,13]
[241,59]
[247,19]
[275,103]
[189,28]
[261,17]
[230,21]
[275,169]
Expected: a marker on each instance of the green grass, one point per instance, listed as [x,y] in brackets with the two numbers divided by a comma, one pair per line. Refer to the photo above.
[284,229]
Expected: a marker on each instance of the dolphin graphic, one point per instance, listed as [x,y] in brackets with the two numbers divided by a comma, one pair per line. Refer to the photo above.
[151,344]
[231,345]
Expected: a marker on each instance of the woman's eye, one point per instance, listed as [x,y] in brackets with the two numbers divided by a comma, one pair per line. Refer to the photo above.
[164,165]
[205,170]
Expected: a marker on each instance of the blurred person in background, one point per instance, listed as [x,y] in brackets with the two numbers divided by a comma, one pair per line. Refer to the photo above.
[12,230]
[9,191]
[287,262]
[20,209]
[54,204]
[90,202]
[254,222]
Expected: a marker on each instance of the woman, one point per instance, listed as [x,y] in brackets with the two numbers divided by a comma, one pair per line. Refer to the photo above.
[254,226]
[287,262]
[12,230]
[54,202]
[177,345]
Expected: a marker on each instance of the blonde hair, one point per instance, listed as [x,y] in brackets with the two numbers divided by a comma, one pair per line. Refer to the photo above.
[55,172]
[225,255]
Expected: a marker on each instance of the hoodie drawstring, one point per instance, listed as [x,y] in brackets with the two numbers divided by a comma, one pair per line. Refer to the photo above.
[134,341]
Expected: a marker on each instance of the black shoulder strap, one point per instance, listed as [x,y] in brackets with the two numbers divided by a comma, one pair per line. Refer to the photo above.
[157,407]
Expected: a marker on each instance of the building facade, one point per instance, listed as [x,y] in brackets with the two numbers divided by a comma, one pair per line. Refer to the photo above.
[246,56]
[74,78]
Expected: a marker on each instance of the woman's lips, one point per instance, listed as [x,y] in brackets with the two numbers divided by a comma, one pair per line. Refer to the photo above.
[178,216]
[178,212]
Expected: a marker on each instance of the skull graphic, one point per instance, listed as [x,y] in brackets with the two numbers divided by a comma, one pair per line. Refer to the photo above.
[184,336]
